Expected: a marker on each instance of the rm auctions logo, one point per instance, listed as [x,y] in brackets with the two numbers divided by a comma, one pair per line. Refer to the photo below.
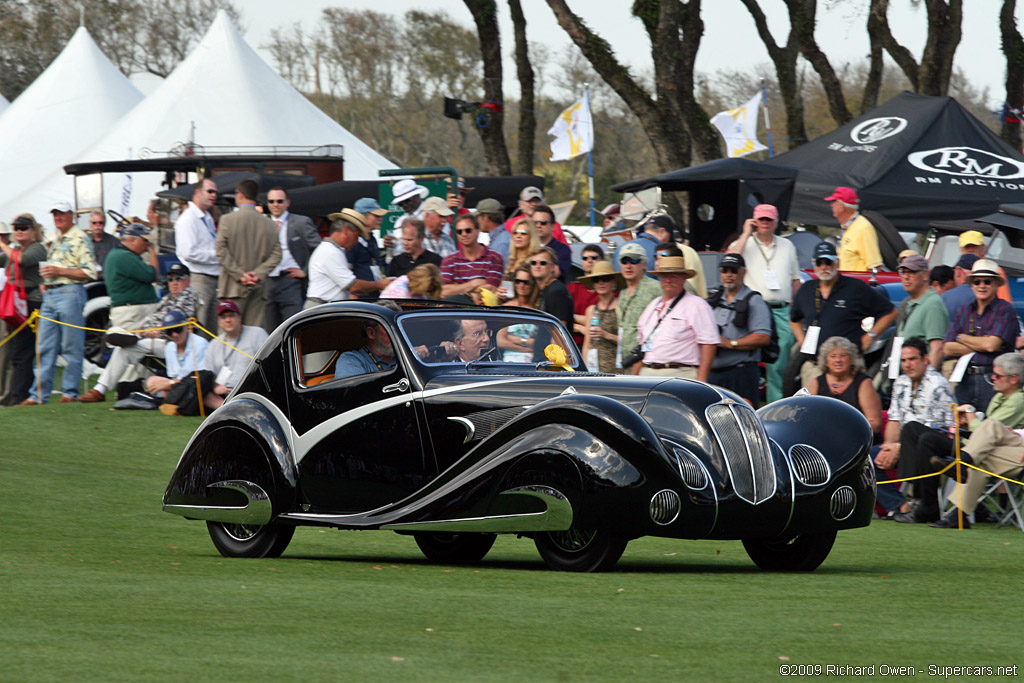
[967,162]
[873,130]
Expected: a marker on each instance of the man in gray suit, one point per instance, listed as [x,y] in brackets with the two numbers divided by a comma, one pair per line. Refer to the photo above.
[248,251]
[286,288]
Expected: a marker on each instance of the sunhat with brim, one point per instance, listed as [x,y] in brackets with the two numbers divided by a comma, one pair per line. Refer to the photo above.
[672,265]
[985,268]
[351,216]
[602,269]
[406,189]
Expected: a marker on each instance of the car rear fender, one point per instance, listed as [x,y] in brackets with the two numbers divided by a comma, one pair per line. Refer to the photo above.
[237,468]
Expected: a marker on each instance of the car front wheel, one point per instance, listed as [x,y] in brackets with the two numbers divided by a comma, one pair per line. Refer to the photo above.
[250,540]
[580,550]
[454,548]
[800,553]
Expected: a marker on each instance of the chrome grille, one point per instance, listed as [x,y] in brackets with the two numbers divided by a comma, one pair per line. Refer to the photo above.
[691,470]
[841,505]
[745,446]
[665,507]
[810,465]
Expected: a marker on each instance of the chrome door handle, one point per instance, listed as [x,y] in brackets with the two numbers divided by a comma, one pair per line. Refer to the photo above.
[400,385]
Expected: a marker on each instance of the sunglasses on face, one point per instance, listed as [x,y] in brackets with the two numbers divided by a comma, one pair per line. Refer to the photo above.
[996,375]
[521,232]
[540,263]
[823,262]
[464,231]
[97,223]
[592,257]
[907,271]
[628,260]
[604,278]
[275,201]
[523,282]
[728,269]
[985,281]
[542,222]
[210,191]
[176,331]
[664,254]
[22,227]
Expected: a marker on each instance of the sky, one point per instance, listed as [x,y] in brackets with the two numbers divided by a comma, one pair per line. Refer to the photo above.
[730,39]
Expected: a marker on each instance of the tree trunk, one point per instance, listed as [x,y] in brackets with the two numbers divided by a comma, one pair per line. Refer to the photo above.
[784,59]
[873,84]
[1013,48]
[485,15]
[802,19]
[705,138]
[932,75]
[665,132]
[527,118]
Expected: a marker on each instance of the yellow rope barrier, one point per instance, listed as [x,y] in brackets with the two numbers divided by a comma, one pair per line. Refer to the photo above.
[28,322]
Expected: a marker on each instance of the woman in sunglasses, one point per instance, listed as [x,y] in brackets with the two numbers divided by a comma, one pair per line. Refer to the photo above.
[524,242]
[26,251]
[516,341]
[604,336]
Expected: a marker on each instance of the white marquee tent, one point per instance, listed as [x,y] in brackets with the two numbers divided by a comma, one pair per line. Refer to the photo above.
[222,95]
[65,110]
[3,104]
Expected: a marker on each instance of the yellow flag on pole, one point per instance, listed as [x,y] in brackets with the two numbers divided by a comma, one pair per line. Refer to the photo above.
[739,128]
[573,131]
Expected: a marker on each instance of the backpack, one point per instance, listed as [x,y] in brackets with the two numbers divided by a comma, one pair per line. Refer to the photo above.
[741,308]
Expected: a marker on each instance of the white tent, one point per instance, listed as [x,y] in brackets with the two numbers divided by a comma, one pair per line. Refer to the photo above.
[3,104]
[65,110]
[222,95]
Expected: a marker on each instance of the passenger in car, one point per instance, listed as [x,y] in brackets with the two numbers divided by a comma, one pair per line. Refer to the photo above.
[375,355]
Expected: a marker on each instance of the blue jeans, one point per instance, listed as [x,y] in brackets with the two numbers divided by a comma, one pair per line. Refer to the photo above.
[976,390]
[65,304]
[888,495]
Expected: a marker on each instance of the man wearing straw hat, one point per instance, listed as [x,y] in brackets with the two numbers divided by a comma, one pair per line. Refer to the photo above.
[677,334]
[745,324]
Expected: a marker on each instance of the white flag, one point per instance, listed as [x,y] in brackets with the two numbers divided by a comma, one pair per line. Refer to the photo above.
[573,131]
[739,128]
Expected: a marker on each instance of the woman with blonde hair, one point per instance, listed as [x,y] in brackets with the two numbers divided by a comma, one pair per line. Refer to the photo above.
[422,282]
[517,340]
[26,250]
[524,242]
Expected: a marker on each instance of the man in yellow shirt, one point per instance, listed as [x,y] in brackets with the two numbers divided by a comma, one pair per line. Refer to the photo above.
[858,248]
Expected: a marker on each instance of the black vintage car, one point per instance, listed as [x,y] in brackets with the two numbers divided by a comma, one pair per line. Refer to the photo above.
[475,432]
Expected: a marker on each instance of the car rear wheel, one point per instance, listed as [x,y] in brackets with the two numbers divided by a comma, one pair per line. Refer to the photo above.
[454,548]
[800,553]
[250,540]
[580,550]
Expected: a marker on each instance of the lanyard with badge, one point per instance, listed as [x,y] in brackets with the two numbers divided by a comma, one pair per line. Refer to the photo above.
[650,338]
[810,345]
[225,372]
[771,280]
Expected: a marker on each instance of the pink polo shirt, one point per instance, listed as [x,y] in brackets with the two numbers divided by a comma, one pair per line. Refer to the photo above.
[690,323]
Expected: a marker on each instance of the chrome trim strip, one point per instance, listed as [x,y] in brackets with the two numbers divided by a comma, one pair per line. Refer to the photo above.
[710,487]
[557,517]
[655,501]
[792,483]
[468,424]
[256,511]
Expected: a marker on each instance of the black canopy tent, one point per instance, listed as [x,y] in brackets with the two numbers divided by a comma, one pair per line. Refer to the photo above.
[730,187]
[914,159]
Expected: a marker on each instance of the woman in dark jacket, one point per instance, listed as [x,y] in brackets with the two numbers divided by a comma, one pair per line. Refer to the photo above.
[26,249]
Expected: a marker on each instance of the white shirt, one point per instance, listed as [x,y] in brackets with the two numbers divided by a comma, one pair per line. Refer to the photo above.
[329,273]
[195,242]
[181,365]
[287,260]
[219,355]
[781,258]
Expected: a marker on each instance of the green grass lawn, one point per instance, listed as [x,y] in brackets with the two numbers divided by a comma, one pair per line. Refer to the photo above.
[97,583]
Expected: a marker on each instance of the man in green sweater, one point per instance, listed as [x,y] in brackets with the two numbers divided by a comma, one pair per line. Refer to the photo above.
[130,280]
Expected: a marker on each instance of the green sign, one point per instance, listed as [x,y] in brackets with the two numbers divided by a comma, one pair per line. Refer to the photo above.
[385,197]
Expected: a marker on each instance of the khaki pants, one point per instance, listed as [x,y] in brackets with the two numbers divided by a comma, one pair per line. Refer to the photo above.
[686,373]
[130,317]
[993,447]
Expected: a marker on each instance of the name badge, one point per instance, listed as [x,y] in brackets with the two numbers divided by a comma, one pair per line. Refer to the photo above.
[894,357]
[223,376]
[960,369]
[618,351]
[771,280]
[810,345]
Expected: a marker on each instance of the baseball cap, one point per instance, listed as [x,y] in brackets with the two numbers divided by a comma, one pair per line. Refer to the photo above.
[369,205]
[173,317]
[633,250]
[971,237]
[844,194]
[966,261]
[611,210]
[915,262]
[734,260]
[662,221]
[825,250]
[437,205]
[177,269]
[490,206]
[531,192]
[227,306]
[135,230]
[63,206]
[766,211]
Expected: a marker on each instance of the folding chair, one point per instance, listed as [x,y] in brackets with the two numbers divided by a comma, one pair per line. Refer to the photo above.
[1005,500]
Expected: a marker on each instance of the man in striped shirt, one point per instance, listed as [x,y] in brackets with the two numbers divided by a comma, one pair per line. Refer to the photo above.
[473,266]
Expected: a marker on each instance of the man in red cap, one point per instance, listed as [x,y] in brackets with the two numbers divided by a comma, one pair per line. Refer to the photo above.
[227,363]
[858,248]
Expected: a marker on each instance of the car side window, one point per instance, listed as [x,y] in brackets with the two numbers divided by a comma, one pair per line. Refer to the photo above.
[341,347]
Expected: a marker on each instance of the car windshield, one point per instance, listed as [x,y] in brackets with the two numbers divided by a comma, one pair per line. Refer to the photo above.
[494,337]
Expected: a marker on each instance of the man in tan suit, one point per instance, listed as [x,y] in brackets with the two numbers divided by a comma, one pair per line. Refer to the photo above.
[248,250]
